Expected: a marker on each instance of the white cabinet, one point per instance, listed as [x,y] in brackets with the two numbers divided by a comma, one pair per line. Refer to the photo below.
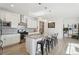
[11,17]
[35,23]
[24,19]
[31,44]
[15,20]
[2,15]
[10,39]
[32,23]
[29,23]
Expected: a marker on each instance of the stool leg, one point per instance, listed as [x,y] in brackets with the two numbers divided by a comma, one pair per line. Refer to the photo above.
[1,50]
[42,52]
[36,49]
[52,44]
[48,46]
[46,49]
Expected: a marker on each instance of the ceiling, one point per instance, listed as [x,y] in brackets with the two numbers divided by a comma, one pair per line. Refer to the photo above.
[46,10]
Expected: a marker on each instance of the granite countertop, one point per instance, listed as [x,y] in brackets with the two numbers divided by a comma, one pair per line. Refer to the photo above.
[12,34]
[33,33]
[34,36]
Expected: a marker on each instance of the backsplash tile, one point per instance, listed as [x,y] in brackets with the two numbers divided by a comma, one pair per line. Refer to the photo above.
[7,30]
[29,29]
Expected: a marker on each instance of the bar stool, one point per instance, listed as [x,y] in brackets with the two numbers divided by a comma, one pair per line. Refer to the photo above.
[1,48]
[52,42]
[41,43]
[47,44]
[55,40]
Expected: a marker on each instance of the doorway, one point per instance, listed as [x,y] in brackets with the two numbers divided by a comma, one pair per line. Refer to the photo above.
[41,27]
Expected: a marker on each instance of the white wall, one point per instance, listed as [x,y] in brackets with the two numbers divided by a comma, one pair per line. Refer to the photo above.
[58,28]
[70,21]
[59,25]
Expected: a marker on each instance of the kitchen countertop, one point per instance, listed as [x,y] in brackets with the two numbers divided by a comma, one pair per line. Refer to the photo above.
[33,33]
[34,36]
[12,34]
[31,42]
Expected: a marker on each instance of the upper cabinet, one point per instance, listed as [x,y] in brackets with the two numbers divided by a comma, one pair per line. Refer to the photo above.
[10,17]
[32,22]
[24,19]
[2,15]
[15,20]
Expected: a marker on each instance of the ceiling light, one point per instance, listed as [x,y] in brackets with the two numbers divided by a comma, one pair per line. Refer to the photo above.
[50,10]
[45,7]
[39,3]
[12,5]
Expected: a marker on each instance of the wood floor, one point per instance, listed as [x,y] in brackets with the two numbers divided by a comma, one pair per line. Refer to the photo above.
[18,49]
[60,49]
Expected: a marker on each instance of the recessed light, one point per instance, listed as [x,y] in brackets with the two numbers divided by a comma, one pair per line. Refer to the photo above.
[45,7]
[39,3]
[50,10]
[12,5]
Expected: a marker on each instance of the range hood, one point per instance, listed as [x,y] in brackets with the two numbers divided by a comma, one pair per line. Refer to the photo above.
[22,23]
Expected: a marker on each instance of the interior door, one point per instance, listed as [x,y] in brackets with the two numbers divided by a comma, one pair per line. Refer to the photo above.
[41,27]
[78,31]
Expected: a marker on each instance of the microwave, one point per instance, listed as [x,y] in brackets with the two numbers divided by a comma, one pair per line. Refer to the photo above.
[6,24]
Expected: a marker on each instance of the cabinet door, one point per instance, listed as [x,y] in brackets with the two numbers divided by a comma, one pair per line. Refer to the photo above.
[14,20]
[7,40]
[10,39]
[24,20]
[11,17]
[35,23]
[4,39]
[8,16]
[2,15]
[29,23]
[32,23]
[15,38]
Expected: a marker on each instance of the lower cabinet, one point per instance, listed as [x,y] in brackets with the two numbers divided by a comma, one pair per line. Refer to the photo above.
[31,44]
[10,39]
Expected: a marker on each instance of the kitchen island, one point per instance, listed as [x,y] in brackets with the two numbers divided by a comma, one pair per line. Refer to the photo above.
[31,42]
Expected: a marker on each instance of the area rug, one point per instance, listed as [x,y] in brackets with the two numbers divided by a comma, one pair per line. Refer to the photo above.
[72,49]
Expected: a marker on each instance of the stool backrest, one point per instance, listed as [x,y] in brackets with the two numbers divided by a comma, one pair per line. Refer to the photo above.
[54,35]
